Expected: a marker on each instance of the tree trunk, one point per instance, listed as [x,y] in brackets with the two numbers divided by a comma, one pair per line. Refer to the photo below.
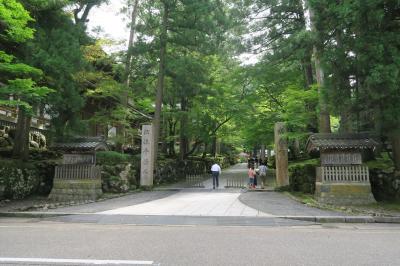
[306,61]
[343,85]
[83,19]
[21,141]
[129,54]
[183,140]
[160,82]
[205,150]
[262,153]
[218,147]
[324,117]
[395,139]
[127,75]
[296,148]
[345,122]
[171,144]
[171,135]
[214,146]
[164,144]
[308,72]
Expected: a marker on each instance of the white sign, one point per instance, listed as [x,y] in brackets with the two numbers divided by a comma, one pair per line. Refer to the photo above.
[78,159]
[147,164]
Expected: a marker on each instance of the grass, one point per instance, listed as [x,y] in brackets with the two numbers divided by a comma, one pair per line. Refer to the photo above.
[375,209]
[388,206]
[307,199]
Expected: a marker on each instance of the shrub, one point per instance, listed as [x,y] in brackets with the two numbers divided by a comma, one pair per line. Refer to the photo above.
[118,178]
[112,158]
[18,182]
[45,171]
[271,162]
[385,183]
[118,184]
[40,154]
[302,176]
[385,186]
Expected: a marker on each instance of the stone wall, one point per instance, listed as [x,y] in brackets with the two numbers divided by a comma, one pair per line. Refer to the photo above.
[344,193]
[75,190]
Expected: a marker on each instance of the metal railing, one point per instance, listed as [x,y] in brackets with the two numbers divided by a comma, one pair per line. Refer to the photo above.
[237,182]
[196,180]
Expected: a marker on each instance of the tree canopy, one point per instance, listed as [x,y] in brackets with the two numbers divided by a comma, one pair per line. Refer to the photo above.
[317,61]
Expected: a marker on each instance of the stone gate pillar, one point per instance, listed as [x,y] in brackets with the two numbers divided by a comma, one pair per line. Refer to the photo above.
[147,158]
[281,155]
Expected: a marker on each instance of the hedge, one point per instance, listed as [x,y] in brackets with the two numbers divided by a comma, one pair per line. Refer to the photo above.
[302,175]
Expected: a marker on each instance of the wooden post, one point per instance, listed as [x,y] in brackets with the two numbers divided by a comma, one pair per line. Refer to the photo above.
[281,155]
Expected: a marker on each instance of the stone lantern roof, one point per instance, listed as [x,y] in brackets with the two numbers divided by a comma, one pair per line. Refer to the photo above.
[332,141]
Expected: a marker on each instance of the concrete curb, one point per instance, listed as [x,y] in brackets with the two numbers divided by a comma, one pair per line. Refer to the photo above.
[313,219]
[345,219]
[36,214]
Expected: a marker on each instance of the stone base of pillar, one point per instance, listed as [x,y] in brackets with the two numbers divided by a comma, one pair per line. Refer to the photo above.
[344,193]
[76,190]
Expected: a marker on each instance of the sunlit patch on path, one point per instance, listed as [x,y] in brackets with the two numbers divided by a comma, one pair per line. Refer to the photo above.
[193,203]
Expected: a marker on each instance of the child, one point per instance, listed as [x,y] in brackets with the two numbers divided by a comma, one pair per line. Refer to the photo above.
[251,173]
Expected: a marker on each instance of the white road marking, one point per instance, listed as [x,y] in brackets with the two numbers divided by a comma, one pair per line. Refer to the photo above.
[78,261]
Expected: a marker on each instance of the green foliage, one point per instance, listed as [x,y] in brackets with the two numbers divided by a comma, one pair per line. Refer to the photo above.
[18,182]
[112,157]
[115,179]
[381,163]
[384,185]
[200,93]
[302,175]
[15,19]
[302,163]
[25,89]
[17,76]
[299,109]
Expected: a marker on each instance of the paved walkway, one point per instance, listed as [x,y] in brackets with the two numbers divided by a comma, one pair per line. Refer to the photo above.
[207,203]
[198,202]
[281,205]
[220,202]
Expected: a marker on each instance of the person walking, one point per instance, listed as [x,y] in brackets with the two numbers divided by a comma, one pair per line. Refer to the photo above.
[215,171]
[262,170]
[251,173]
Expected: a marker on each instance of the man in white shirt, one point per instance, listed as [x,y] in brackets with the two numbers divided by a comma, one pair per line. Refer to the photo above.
[215,171]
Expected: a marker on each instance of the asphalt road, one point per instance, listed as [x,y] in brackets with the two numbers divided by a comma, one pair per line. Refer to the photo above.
[330,244]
